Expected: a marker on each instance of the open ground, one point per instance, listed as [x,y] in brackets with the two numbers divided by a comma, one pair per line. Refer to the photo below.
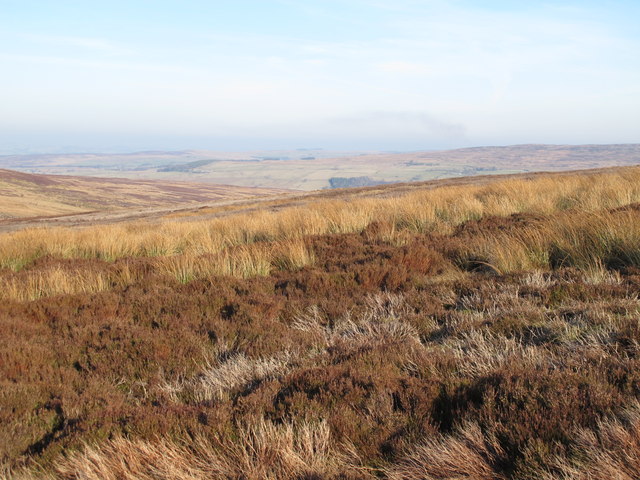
[483,329]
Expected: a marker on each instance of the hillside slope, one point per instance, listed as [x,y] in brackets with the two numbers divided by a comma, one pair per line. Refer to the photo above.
[33,195]
[482,331]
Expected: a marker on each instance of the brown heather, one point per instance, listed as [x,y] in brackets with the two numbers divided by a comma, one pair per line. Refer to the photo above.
[486,332]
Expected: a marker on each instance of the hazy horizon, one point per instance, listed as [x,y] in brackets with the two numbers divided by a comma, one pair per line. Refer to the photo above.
[132,150]
[350,75]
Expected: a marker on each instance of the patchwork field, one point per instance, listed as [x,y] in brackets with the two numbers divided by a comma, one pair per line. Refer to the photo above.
[483,330]
[312,169]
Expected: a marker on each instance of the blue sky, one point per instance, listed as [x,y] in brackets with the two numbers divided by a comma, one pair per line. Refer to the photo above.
[351,74]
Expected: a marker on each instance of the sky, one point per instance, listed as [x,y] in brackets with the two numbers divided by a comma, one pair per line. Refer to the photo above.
[395,75]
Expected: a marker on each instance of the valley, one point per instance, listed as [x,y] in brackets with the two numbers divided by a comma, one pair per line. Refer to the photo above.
[314,169]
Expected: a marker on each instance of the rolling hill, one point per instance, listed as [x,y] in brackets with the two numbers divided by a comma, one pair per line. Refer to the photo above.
[312,169]
[24,195]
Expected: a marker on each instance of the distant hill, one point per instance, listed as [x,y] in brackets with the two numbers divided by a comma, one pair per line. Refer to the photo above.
[25,195]
[315,169]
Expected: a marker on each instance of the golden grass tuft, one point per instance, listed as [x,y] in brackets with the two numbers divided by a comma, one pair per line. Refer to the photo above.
[55,281]
[243,262]
[292,255]
[261,451]
[588,241]
[468,454]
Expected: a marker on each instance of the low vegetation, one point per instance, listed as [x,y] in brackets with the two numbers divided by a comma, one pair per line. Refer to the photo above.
[438,210]
[26,195]
[486,332]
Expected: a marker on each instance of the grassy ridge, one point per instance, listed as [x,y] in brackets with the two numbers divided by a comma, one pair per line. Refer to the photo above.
[24,195]
[201,247]
[438,210]
[484,332]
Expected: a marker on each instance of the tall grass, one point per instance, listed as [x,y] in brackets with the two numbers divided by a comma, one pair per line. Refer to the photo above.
[612,450]
[59,281]
[587,241]
[438,210]
[590,236]
[240,262]
[244,262]
[468,454]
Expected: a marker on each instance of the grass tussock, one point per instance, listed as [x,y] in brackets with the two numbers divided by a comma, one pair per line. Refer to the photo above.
[262,451]
[59,280]
[244,262]
[592,242]
[466,454]
[611,450]
[380,323]
[56,281]
[228,373]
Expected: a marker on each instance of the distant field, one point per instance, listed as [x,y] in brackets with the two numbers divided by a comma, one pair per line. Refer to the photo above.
[25,195]
[319,169]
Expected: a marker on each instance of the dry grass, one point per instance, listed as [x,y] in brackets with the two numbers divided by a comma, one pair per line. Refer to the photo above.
[611,450]
[228,372]
[466,455]
[479,353]
[55,281]
[261,451]
[437,210]
[243,262]
[235,246]
[588,241]
[292,255]
[252,245]
[238,371]
[380,323]
[240,262]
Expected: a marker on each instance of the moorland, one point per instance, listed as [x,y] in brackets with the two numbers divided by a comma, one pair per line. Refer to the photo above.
[313,169]
[483,329]
[25,196]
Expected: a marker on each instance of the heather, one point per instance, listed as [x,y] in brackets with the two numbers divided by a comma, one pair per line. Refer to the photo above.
[482,332]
